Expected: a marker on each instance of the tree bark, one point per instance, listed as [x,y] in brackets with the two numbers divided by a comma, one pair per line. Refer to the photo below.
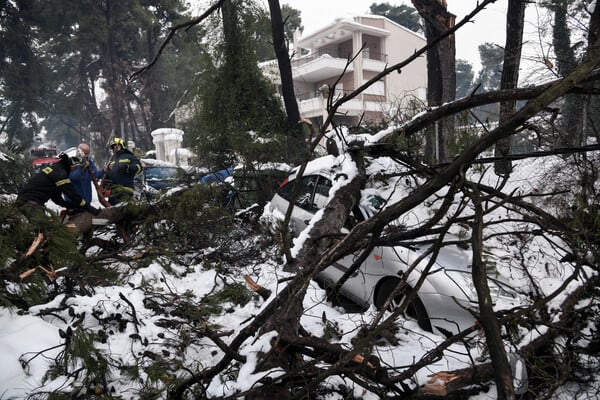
[285,67]
[114,83]
[571,123]
[515,18]
[441,75]
[487,318]
[592,125]
[314,257]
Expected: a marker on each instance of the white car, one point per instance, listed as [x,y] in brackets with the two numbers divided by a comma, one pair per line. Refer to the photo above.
[445,298]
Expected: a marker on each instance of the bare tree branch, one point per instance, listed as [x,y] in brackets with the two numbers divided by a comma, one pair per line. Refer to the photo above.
[172,31]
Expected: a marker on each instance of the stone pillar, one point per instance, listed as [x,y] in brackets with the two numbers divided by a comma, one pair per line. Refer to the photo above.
[173,141]
[166,139]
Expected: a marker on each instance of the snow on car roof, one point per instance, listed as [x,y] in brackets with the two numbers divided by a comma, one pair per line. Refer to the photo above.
[151,162]
[318,164]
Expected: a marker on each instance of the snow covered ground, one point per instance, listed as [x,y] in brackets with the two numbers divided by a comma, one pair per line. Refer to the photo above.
[23,336]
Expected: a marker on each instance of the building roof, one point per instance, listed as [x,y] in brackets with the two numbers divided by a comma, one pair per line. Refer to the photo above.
[341,29]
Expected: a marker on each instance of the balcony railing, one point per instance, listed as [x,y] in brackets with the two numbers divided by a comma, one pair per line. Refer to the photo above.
[371,55]
[320,94]
[334,53]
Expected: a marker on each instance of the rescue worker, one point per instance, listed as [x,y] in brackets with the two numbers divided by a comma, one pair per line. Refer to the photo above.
[80,176]
[51,183]
[121,171]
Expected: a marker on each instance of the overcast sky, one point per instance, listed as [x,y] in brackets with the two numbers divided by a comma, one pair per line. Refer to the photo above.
[489,25]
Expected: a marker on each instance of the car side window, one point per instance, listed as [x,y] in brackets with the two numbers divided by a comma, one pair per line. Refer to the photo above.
[305,192]
[151,173]
[285,191]
[321,193]
[306,188]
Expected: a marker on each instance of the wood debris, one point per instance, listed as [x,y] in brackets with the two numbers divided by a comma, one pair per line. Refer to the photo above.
[264,293]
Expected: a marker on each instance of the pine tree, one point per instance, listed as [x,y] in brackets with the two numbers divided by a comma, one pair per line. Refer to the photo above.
[237,100]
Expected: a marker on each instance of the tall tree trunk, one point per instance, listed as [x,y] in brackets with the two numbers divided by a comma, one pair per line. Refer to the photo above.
[441,75]
[152,84]
[591,113]
[592,125]
[114,84]
[571,126]
[287,82]
[515,18]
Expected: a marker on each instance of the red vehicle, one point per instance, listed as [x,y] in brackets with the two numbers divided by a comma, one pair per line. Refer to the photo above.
[43,156]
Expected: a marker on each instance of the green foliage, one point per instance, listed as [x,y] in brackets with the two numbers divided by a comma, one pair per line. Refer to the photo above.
[464,135]
[189,219]
[14,169]
[293,21]
[82,359]
[55,54]
[58,250]
[464,78]
[186,307]
[24,76]
[404,15]
[263,36]
[256,185]
[492,59]
[237,100]
[235,293]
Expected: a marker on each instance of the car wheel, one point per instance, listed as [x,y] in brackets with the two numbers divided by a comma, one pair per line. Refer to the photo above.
[415,309]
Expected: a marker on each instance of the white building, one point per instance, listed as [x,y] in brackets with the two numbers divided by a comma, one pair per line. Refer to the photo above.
[381,43]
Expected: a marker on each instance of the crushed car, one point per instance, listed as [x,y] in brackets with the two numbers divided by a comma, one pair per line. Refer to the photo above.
[444,300]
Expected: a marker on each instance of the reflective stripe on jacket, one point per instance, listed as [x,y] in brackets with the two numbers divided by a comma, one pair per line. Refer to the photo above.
[50,184]
[123,169]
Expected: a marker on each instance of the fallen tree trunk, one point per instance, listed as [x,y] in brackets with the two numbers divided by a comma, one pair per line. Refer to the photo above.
[314,256]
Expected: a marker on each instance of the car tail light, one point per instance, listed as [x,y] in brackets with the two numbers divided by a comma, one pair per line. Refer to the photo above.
[285,182]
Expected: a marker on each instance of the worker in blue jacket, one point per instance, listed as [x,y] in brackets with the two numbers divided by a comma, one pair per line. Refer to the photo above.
[50,184]
[81,176]
[121,171]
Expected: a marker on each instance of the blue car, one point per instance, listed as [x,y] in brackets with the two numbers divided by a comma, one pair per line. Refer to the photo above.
[157,175]
[216,177]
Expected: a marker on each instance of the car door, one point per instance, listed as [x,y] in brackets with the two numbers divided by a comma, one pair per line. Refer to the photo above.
[312,194]
[378,264]
[359,284]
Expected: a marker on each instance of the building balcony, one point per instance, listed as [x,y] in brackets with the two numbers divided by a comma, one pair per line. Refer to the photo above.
[315,104]
[375,62]
[328,63]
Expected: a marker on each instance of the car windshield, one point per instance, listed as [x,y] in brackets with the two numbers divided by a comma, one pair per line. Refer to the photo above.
[162,173]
